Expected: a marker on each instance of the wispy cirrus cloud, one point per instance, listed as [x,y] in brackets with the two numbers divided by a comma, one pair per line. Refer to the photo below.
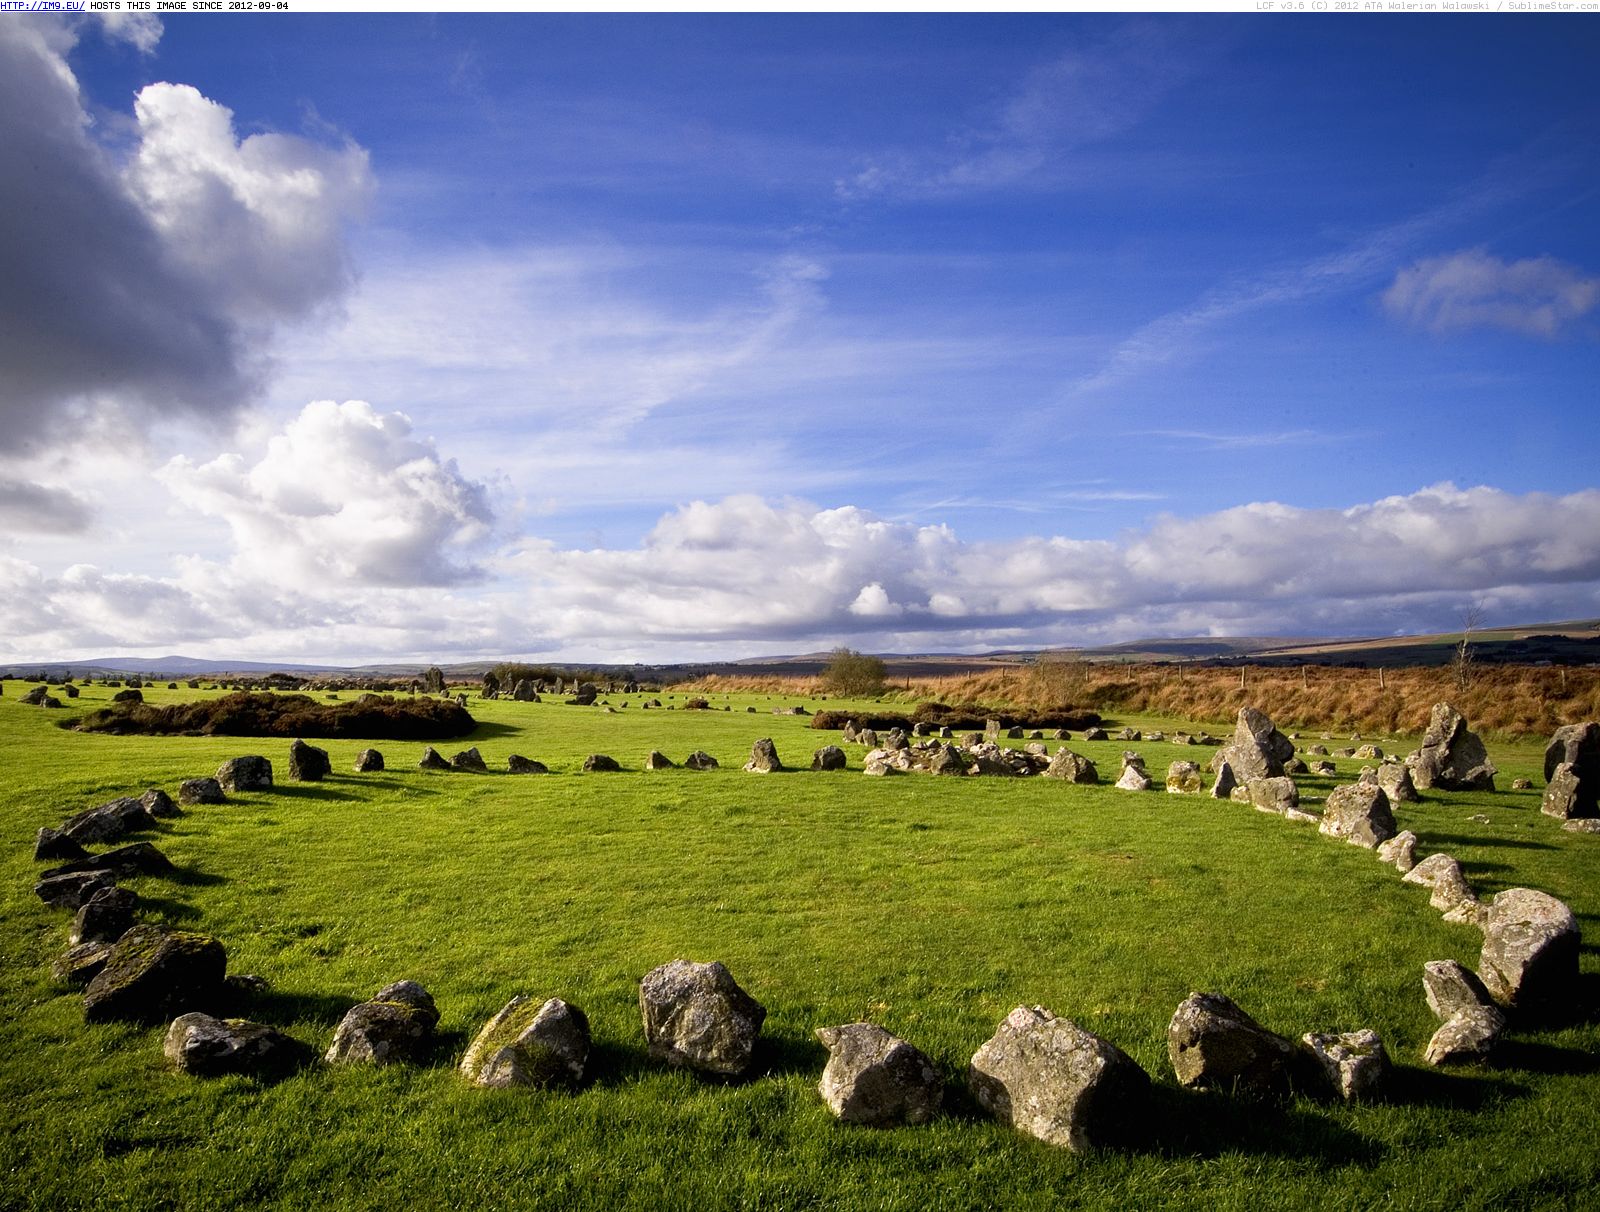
[1471,289]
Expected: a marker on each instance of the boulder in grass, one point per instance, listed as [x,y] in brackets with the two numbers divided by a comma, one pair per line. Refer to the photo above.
[153,973]
[200,791]
[1468,1036]
[1277,795]
[1183,778]
[1451,988]
[600,763]
[530,1043]
[829,757]
[696,1016]
[656,760]
[81,964]
[700,760]
[1452,756]
[107,822]
[250,773]
[1359,813]
[104,917]
[1566,797]
[136,858]
[1442,875]
[432,759]
[1258,750]
[369,761]
[1134,779]
[763,758]
[396,1025]
[1395,779]
[1072,768]
[1400,850]
[1213,1044]
[1529,960]
[469,759]
[158,804]
[72,890]
[1050,1078]
[1094,734]
[307,763]
[1354,1062]
[1578,746]
[1222,786]
[517,764]
[203,1046]
[876,1079]
[1587,824]
[53,845]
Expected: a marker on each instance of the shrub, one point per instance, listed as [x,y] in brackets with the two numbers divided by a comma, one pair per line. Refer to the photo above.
[849,672]
[290,715]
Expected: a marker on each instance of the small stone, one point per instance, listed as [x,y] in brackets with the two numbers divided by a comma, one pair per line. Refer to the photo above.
[200,791]
[1451,988]
[72,890]
[1134,779]
[829,757]
[51,844]
[396,1025]
[517,764]
[1586,824]
[250,773]
[656,760]
[1395,779]
[699,760]
[81,964]
[1442,874]
[1400,850]
[1183,778]
[432,759]
[877,1079]
[696,1015]
[203,1046]
[1213,1044]
[469,759]
[530,1043]
[1222,786]
[600,763]
[1354,1062]
[1278,794]
[369,761]
[1359,813]
[159,804]
[1522,784]
[1469,1035]
[1072,768]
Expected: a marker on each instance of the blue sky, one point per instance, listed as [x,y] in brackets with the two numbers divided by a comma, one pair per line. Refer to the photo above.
[637,337]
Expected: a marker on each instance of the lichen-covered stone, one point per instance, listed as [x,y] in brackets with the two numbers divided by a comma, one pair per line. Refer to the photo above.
[1451,988]
[200,791]
[1134,779]
[1071,767]
[1529,960]
[396,1025]
[1400,850]
[1452,757]
[877,1079]
[1258,750]
[203,1046]
[73,889]
[153,973]
[1213,1044]
[1566,797]
[1359,813]
[82,963]
[696,1015]
[249,773]
[1442,874]
[1469,1035]
[1577,746]
[1052,1079]
[1183,778]
[1395,779]
[1354,1062]
[763,757]
[469,759]
[530,1043]
[1277,794]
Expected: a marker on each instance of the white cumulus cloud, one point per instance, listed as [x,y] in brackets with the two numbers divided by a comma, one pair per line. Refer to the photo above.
[1537,296]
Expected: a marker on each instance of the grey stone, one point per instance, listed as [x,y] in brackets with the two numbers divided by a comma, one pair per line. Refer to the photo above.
[158,804]
[763,758]
[656,760]
[1222,786]
[1470,1035]
[250,773]
[697,1016]
[1183,778]
[1529,960]
[369,761]
[1278,794]
[1395,779]
[432,759]
[109,821]
[203,1046]
[1071,767]
[1134,779]
[530,1043]
[1213,1044]
[877,1079]
[1051,1079]
[1451,988]
[72,890]
[81,964]
[1578,746]
[200,791]
[1452,757]
[700,760]
[600,763]
[1358,813]
[153,972]
[1095,734]
[829,757]
[1400,850]
[1521,784]
[1586,824]
[517,764]
[469,759]
[396,1025]
[1354,1062]
[51,844]
[1257,750]
[104,917]
[1566,797]
[1443,876]
[307,763]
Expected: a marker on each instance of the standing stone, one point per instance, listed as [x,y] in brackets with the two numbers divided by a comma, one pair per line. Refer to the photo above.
[396,1025]
[1050,1078]
[1529,960]
[1400,850]
[1183,778]
[530,1043]
[251,773]
[517,764]
[1213,1044]
[876,1079]
[1071,768]
[200,791]
[469,759]
[1578,746]
[763,757]
[1469,1035]
[696,1015]
[1134,779]
[1359,813]
[829,757]
[1452,757]
[600,763]
[656,760]
[369,761]
[104,917]
[203,1046]
[699,760]
[432,759]
[158,804]
[1567,796]
[1451,988]
[1278,795]
[51,844]
[1258,750]
[1094,734]
[153,972]
[1222,787]
[1354,1062]
[307,763]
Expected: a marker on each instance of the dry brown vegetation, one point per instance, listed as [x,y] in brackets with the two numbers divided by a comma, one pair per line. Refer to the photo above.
[1512,700]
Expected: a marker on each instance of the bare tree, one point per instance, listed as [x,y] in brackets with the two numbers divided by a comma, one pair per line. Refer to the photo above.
[1461,662]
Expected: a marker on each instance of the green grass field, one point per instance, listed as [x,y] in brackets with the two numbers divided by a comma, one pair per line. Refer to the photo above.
[931,906]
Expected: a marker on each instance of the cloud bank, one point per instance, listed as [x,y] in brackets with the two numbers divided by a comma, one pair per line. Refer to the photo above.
[1536,297]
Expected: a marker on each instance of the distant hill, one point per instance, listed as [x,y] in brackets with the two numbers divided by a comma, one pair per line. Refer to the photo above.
[1566,643]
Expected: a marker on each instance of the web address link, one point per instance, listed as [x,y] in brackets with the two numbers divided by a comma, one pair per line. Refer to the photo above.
[42,6]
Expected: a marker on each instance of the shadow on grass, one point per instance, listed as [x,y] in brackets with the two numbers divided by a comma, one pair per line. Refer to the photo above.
[1183,1123]
[281,1008]
[1463,839]
[193,877]
[311,791]
[1548,1059]
[167,911]
[1461,1089]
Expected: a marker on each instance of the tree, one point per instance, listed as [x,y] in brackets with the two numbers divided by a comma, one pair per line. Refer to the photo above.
[1461,662]
[852,673]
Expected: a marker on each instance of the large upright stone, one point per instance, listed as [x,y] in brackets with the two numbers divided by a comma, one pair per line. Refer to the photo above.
[829,757]
[1258,750]
[763,757]
[1568,797]
[307,763]
[249,773]
[530,1043]
[1050,1078]
[877,1079]
[697,1016]
[1578,746]
[1358,813]
[1213,1044]
[1395,779]
[1452,757]
[1529,960]
[153,972]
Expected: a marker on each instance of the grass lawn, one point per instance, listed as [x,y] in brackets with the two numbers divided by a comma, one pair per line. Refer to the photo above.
[931,906]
